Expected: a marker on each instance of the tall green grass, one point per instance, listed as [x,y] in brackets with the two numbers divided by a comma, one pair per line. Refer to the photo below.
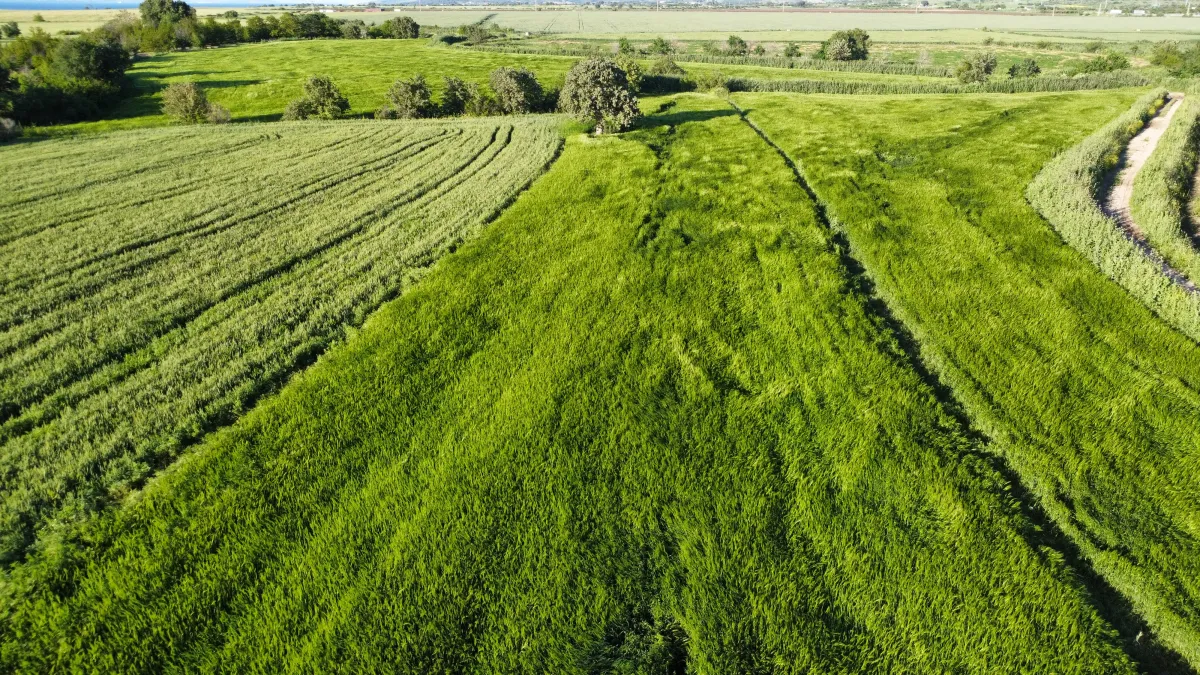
[149,297]
[649,420]
[1163,187]
[1088,395]
[1066,193]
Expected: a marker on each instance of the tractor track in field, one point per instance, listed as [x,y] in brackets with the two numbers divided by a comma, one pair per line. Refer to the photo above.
[1120,193]
[1140,644]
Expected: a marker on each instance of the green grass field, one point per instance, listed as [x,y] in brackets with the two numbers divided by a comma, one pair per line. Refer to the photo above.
[648,418]
[1090,397]
[256,81]
[138,314]
[770,383]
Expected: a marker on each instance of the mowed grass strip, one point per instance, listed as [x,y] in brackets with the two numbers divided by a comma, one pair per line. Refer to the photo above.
[1090,397]
[155,301]
[645,421]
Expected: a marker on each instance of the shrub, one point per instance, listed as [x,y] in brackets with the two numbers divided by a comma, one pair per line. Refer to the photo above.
[1107,63]
[709,80]
[9,129]
[977,68]
[633,72]
[759,50]
[478,103]
[186,102]
[624,46]
[665,65]
[736,46]
[1024,68]
[10,30]
[38,18]
[792,51]
[661,46]
[455,96]
[516,89]
[846,45]
[401,27]
[596,90]
[410,99]
[321,100]
[353,30]
[1093,47]
[93,59]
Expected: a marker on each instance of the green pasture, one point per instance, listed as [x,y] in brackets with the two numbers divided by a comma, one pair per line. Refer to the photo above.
[654,417]
[256,81]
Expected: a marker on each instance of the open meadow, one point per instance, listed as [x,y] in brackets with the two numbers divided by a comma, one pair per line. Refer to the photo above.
[695,363]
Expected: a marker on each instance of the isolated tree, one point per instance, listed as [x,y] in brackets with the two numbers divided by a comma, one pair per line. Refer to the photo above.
[977,68]
[186,102]
[516,89]
[322,100]
[10,30]
[665,65]
[402,28]
[792,50]
[1024,68]
[597,90]
[408,99]
[736,46]
[155,12]
[846,45]
[661,46]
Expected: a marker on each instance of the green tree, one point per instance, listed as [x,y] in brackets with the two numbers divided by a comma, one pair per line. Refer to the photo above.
[456,95]
[977,68]
[633,72]
[517,90]
[408,99]
[624,46]
[597,90]
[846,45]
[322,100]
[792,50]
[736,46]
[759,50]
[660,46]
[1024,68]
[401,28]
[155,12]
[88,57]
[10,30]
[186,102]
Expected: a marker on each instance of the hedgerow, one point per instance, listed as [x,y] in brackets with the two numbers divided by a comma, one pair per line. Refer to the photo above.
[1065,192]
[1007,86]
[1162,188]
[766,61]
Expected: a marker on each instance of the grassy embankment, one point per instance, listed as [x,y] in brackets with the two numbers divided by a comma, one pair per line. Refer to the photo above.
[649,418]
[1090,397]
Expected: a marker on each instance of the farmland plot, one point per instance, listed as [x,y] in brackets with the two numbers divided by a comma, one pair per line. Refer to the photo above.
[149,296]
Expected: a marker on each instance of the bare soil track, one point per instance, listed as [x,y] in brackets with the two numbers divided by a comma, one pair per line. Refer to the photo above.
[1116,206]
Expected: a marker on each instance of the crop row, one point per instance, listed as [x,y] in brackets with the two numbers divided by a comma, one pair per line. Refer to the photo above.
[140,349]
[1162,189]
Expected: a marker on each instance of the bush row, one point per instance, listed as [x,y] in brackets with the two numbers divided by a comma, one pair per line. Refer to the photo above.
[1065,192]
[876,67]
[1011,86]
[1162,188]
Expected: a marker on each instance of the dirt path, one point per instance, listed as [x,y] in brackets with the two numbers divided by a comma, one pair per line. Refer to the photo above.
[1116,206]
